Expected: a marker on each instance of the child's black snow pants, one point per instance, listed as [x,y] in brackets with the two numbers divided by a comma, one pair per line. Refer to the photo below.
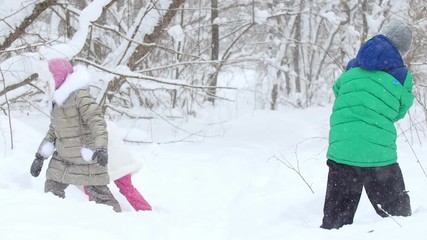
[384,187]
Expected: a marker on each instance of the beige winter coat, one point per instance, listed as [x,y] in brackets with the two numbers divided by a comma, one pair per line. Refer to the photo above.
[77,123]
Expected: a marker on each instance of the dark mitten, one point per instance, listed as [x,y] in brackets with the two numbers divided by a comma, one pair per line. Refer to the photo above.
[37,165]
[100,156]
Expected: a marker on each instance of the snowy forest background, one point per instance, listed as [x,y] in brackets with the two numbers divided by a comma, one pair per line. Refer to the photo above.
[173,58]
[225,103]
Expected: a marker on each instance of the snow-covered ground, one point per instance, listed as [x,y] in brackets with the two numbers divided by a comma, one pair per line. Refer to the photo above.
[224,182]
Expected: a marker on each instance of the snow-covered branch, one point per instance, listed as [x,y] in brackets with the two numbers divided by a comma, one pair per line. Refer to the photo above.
[74,46]
[164,83]
[39,8]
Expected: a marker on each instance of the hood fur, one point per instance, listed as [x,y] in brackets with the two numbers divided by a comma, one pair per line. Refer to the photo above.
[79,79]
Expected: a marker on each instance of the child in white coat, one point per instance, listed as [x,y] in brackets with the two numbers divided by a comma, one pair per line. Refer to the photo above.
[121,166]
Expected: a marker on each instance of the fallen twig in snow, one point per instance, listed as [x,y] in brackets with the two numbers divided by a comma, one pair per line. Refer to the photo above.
[290,166]
[379,206]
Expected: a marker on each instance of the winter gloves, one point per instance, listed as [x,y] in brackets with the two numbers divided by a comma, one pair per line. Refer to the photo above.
[36,166]
[100,156]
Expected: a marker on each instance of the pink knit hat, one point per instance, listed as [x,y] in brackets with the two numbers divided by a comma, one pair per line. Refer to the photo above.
[60,68]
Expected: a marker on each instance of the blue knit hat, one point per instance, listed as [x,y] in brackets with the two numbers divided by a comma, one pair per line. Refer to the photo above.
[400,33]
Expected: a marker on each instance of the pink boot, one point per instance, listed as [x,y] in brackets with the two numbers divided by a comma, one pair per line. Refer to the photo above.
[87,193]
[131,193]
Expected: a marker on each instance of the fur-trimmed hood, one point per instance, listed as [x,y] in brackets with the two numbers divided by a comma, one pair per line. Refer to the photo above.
[79,79]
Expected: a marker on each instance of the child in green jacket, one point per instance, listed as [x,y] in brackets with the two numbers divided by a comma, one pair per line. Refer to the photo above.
[371,95]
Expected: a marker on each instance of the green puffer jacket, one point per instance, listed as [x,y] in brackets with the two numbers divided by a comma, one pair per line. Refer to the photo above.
[367,105]
[77,124]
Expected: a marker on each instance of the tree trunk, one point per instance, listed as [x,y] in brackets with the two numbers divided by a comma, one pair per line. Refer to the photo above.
[213,78]
[296,58]
[143,50]
[274,96]
[365,27]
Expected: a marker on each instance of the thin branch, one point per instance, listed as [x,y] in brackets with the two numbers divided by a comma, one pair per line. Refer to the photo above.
[384,211]
[39,8]
[413,151]
[167,142]
[18,85]
[174,65]
[183,139]
[35,107]
[149,78]
[131,40]
[290,166]
[8,111]
[27,46]
[136,30]
[227,53]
